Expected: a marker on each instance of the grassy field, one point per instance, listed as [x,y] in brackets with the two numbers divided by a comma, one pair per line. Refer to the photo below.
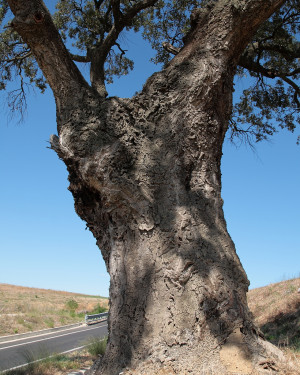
[29,309]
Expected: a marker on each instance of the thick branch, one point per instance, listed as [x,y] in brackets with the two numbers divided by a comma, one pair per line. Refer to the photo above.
[135,9]
[98,3]
[116,10]
[253,66]
[171,49]
[296,89]
[287,53]
[34,24]
[79,58]
[97,71]
[235,22]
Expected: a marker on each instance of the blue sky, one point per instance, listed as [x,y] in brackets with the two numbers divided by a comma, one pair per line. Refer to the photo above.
[43,243]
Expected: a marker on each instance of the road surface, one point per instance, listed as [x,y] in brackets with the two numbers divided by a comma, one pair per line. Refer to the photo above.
[20,352]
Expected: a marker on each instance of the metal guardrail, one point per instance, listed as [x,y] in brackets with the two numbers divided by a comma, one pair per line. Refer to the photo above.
[95,318]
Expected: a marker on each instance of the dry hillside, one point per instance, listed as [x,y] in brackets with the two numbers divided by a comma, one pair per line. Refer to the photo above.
[28,309]
[276,309]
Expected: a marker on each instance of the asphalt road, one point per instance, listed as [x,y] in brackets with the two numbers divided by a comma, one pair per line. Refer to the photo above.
[20,352]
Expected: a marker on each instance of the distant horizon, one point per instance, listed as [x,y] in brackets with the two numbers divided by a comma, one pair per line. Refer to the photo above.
[53,290]
[282,279]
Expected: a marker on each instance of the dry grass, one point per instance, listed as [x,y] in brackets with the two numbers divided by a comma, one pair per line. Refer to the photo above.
[276,309]
[29,309]
[292,366]
[60,364]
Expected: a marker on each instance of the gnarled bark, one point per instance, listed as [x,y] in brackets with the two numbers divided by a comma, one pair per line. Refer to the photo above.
[145,176]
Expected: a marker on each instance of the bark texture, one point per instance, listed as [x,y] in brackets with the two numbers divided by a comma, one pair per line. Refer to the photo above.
[145,176]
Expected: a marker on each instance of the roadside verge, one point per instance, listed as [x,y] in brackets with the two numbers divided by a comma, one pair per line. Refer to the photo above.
[37,333]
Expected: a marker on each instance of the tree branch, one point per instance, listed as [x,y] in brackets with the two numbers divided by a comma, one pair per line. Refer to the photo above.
[252,66]
[98,4]
[116,11]
[135,9]
[19,57]
[123,51]
[296,89]
[100,53]
[34,24]
[256,67]
[124,20]
[240,21]
[286,52]
[171,49]
[79,58]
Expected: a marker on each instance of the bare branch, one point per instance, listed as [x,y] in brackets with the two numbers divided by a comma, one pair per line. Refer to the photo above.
[79,58]
[135,9]
[123,51]
[19,57]
[295,87]
[171,49]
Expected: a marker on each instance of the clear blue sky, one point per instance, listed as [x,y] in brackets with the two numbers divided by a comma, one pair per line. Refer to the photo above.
[43,243]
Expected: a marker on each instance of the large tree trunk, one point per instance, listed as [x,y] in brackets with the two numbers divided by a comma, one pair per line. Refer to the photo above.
[145,175]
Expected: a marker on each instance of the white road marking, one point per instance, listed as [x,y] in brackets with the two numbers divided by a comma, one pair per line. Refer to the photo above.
[42,359]
[38,334]
[50,338]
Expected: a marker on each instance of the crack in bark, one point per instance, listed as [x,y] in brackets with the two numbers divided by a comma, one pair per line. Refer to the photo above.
[145,176]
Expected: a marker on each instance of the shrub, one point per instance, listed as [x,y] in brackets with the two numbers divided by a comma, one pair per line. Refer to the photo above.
[72,305]
[49,322]
[96,346]
[81,315]
[98,309]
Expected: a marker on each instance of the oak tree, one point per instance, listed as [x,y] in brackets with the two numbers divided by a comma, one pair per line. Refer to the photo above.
[145,171]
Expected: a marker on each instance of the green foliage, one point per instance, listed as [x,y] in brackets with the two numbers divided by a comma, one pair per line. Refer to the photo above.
[96,346]
[49,322]
[273,93]
[98,309]
[270,64]
[81,315]
[72,305]
[17,65]
[168,21]
[84,26]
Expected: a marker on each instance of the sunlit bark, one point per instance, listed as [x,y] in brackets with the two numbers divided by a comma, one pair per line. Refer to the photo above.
[145,176]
